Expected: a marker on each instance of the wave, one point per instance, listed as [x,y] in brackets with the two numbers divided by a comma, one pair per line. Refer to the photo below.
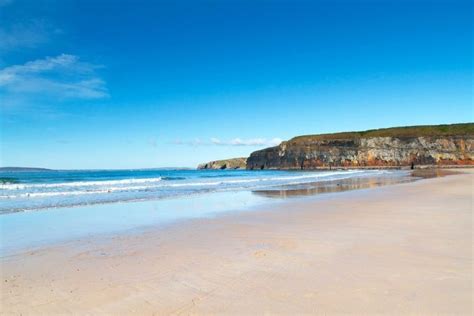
[321,175]
[219,175]
[8,180]
[30,196]
[79,183]
[301,177]
[112,183]
[79,192]
[158,186]
[173,178]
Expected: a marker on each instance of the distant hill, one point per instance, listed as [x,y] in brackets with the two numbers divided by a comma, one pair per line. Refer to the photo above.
[234,163]
[23,169]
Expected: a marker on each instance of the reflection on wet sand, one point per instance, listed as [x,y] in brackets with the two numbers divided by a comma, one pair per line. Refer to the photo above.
[432,173]
[350,184]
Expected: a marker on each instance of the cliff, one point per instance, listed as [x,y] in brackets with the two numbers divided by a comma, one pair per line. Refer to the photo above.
[234,163]
[384,148]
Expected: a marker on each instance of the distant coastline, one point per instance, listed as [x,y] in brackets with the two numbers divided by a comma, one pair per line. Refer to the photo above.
[24,169]
[229,164]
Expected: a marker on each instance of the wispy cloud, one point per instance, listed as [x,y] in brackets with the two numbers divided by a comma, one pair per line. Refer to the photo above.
[63,77]
[194,142]
[25,34]
[231,142]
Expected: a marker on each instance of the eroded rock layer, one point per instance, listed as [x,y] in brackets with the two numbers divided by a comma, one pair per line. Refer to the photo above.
[381,148]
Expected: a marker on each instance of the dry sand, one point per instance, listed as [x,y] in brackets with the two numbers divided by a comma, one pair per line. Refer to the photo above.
[402,249]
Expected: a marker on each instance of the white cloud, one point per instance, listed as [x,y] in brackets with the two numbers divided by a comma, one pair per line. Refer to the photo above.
[231,142]
[216,141]
[63,76]
[254,142]
[25,34]
[195,142]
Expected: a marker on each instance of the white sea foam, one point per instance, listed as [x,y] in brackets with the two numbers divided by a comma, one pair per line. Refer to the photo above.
[40,195]
[79,183]
[76,192]
[130,185]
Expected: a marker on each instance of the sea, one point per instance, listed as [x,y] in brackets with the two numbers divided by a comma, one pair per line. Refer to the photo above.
[27,191]
[47,207]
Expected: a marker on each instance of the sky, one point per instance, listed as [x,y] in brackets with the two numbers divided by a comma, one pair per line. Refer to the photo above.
[142,84]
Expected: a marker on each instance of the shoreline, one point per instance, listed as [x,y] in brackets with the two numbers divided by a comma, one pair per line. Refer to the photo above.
[69,223]
[403,248]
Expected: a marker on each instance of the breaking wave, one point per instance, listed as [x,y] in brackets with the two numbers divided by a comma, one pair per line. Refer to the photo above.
[36,191]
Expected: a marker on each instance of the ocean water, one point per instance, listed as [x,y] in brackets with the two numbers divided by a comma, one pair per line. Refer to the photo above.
[27,191]
[43,208]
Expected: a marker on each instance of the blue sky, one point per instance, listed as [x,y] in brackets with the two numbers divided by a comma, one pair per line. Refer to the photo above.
[137,84]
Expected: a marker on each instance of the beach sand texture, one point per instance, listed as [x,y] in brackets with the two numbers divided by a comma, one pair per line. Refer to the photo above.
[401,249]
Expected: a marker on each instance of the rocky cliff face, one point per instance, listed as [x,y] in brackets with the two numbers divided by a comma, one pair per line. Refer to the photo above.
[358,150]
[235,163]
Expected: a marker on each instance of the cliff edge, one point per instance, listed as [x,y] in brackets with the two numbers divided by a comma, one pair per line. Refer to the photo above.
[383,148]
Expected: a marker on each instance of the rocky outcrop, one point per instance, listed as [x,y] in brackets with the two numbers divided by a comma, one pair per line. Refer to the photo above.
[395,147]
[234,163]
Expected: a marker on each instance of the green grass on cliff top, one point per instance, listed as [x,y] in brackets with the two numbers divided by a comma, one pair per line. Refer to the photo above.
[406,131]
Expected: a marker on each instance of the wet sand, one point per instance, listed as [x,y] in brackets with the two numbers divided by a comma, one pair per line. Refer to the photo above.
[400,249]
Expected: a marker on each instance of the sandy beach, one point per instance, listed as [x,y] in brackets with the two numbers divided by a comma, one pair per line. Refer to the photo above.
[400,249]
